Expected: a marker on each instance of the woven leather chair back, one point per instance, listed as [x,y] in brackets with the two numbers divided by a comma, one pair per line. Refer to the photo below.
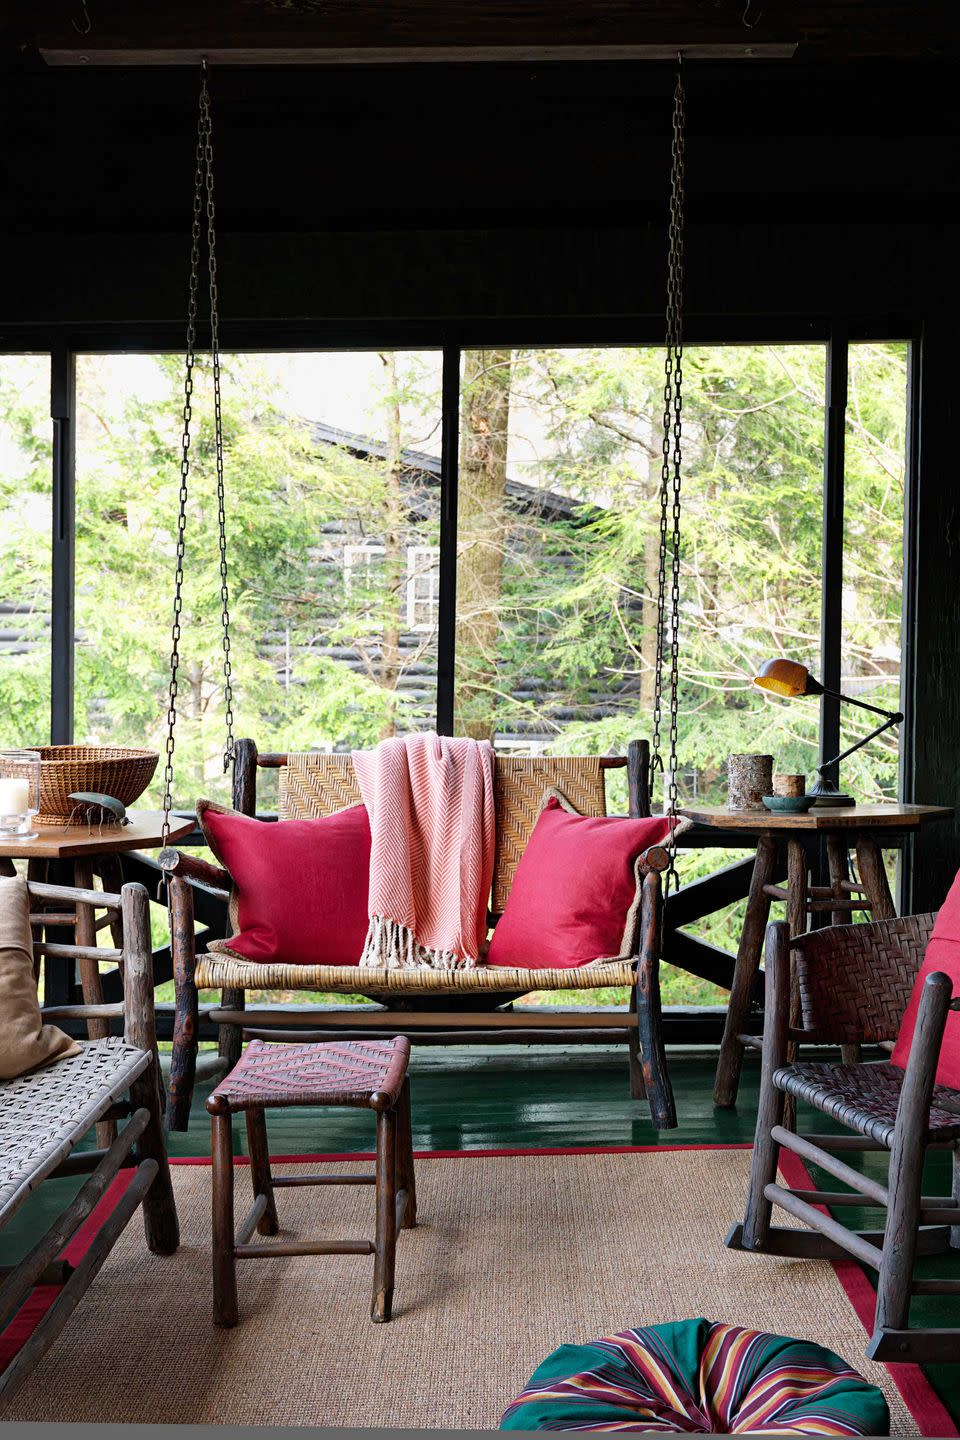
[855,981]
[313,785]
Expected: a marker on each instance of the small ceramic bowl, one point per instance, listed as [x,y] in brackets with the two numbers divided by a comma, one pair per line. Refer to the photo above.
[789,804]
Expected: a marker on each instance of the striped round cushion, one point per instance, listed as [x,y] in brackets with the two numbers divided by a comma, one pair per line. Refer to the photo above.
[700,1377]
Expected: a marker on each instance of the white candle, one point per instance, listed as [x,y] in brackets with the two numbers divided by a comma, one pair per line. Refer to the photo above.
[14,796]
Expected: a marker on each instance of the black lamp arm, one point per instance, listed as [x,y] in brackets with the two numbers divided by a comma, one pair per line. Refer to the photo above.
[891,720]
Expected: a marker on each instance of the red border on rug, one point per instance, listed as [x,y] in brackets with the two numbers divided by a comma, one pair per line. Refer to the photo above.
[917,1393]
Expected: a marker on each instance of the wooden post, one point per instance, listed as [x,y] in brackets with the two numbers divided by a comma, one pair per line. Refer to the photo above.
[386,1241]
[748,963]
[230,1040]
[159,1208]
[225,1309]
[638,1090]
[405,1175]
[763,1170]
[656,1076]
[905,1175]
[245,777]
[183,1062]
[638,778]
[260,1173]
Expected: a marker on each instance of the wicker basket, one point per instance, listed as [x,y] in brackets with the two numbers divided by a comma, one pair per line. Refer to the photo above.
[113,770]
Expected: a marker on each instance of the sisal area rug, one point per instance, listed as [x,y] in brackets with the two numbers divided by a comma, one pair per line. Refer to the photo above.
[514,1255]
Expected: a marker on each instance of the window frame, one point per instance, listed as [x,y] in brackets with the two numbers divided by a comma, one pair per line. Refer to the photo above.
[836,331]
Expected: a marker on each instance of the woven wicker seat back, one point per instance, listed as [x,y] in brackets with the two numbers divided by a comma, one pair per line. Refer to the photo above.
[350,1072]
[313,785]
[44,1113]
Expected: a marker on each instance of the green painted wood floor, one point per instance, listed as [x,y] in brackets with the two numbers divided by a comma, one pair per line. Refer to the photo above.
[506,1097]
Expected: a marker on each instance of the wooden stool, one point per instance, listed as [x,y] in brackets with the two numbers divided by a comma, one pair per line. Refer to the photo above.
[366,1073]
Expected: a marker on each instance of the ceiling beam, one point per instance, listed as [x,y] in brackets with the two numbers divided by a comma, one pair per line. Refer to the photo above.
[286,32]
[408,54]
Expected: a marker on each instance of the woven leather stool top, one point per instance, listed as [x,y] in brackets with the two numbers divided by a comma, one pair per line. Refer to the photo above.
[367,1073]
[865,1097]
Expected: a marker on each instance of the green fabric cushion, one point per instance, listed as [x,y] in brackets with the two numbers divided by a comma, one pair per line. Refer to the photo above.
[701,1377]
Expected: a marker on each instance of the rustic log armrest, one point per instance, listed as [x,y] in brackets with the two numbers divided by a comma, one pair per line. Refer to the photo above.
[191,867]
[855,980]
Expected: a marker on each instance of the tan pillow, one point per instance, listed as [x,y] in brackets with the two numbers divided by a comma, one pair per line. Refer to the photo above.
[25,1042]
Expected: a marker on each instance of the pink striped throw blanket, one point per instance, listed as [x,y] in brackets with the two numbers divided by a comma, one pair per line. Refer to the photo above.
[430,803]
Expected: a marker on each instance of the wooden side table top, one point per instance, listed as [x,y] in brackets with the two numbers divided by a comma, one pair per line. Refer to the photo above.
[838,817]
[64,842]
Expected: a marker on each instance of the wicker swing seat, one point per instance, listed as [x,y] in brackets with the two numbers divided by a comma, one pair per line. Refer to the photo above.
[432,1006]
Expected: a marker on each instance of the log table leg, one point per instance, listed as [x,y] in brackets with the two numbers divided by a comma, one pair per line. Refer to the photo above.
[90,981]
[873,877]
[797,911]
[838,862]
[745,973]
[36,870]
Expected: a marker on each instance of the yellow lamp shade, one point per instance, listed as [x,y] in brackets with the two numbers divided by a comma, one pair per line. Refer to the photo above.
[786,677]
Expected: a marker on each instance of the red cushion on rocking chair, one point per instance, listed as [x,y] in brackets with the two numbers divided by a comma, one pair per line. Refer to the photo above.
[943,953]
[301,885]
[574,898]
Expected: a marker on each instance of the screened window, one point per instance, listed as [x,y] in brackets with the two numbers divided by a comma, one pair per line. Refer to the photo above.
[25,549]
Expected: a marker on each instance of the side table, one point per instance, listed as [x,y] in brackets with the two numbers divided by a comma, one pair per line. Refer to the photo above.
[860,828]
[86,849]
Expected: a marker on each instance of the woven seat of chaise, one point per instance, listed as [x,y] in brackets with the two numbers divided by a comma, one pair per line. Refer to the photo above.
[221,971]
[865,1098]
[44,1113]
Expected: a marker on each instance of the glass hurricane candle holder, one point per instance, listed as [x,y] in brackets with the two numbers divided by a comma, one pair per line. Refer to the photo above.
[19,793]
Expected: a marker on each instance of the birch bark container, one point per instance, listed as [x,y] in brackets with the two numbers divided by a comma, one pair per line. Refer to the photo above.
[749,778]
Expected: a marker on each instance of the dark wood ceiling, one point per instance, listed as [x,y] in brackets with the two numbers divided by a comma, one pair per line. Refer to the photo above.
[254,31]
[445,146]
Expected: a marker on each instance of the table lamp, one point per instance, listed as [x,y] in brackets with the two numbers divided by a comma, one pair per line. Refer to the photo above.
[789,678]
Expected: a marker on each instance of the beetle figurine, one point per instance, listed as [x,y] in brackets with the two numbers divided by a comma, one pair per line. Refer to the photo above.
[103,809]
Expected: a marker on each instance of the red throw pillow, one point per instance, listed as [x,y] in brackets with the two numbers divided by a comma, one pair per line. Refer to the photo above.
[301,885]
[943,953]
[574,894]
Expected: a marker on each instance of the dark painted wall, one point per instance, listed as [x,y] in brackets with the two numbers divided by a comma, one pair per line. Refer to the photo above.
[521,202]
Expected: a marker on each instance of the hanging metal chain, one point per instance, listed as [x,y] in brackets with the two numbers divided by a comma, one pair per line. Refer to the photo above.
[206,122]
[187,416]
[202,199]
[668,620]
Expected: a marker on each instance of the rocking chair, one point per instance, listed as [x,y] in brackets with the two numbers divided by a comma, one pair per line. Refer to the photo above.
[430,1006]
[855,982]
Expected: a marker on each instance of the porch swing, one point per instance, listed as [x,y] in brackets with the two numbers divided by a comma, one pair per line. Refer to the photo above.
[433,1006]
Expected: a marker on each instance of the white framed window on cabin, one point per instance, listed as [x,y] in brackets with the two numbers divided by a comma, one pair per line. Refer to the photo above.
[423,587]
[361,567]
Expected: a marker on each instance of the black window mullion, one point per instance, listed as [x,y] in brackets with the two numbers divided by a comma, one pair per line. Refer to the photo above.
[62,411]
[831,576]
[449,475]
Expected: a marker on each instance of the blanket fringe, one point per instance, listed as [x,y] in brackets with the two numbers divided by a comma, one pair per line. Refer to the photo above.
[393,946]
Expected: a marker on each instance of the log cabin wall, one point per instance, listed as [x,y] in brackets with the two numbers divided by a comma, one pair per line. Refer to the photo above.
[522,203]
